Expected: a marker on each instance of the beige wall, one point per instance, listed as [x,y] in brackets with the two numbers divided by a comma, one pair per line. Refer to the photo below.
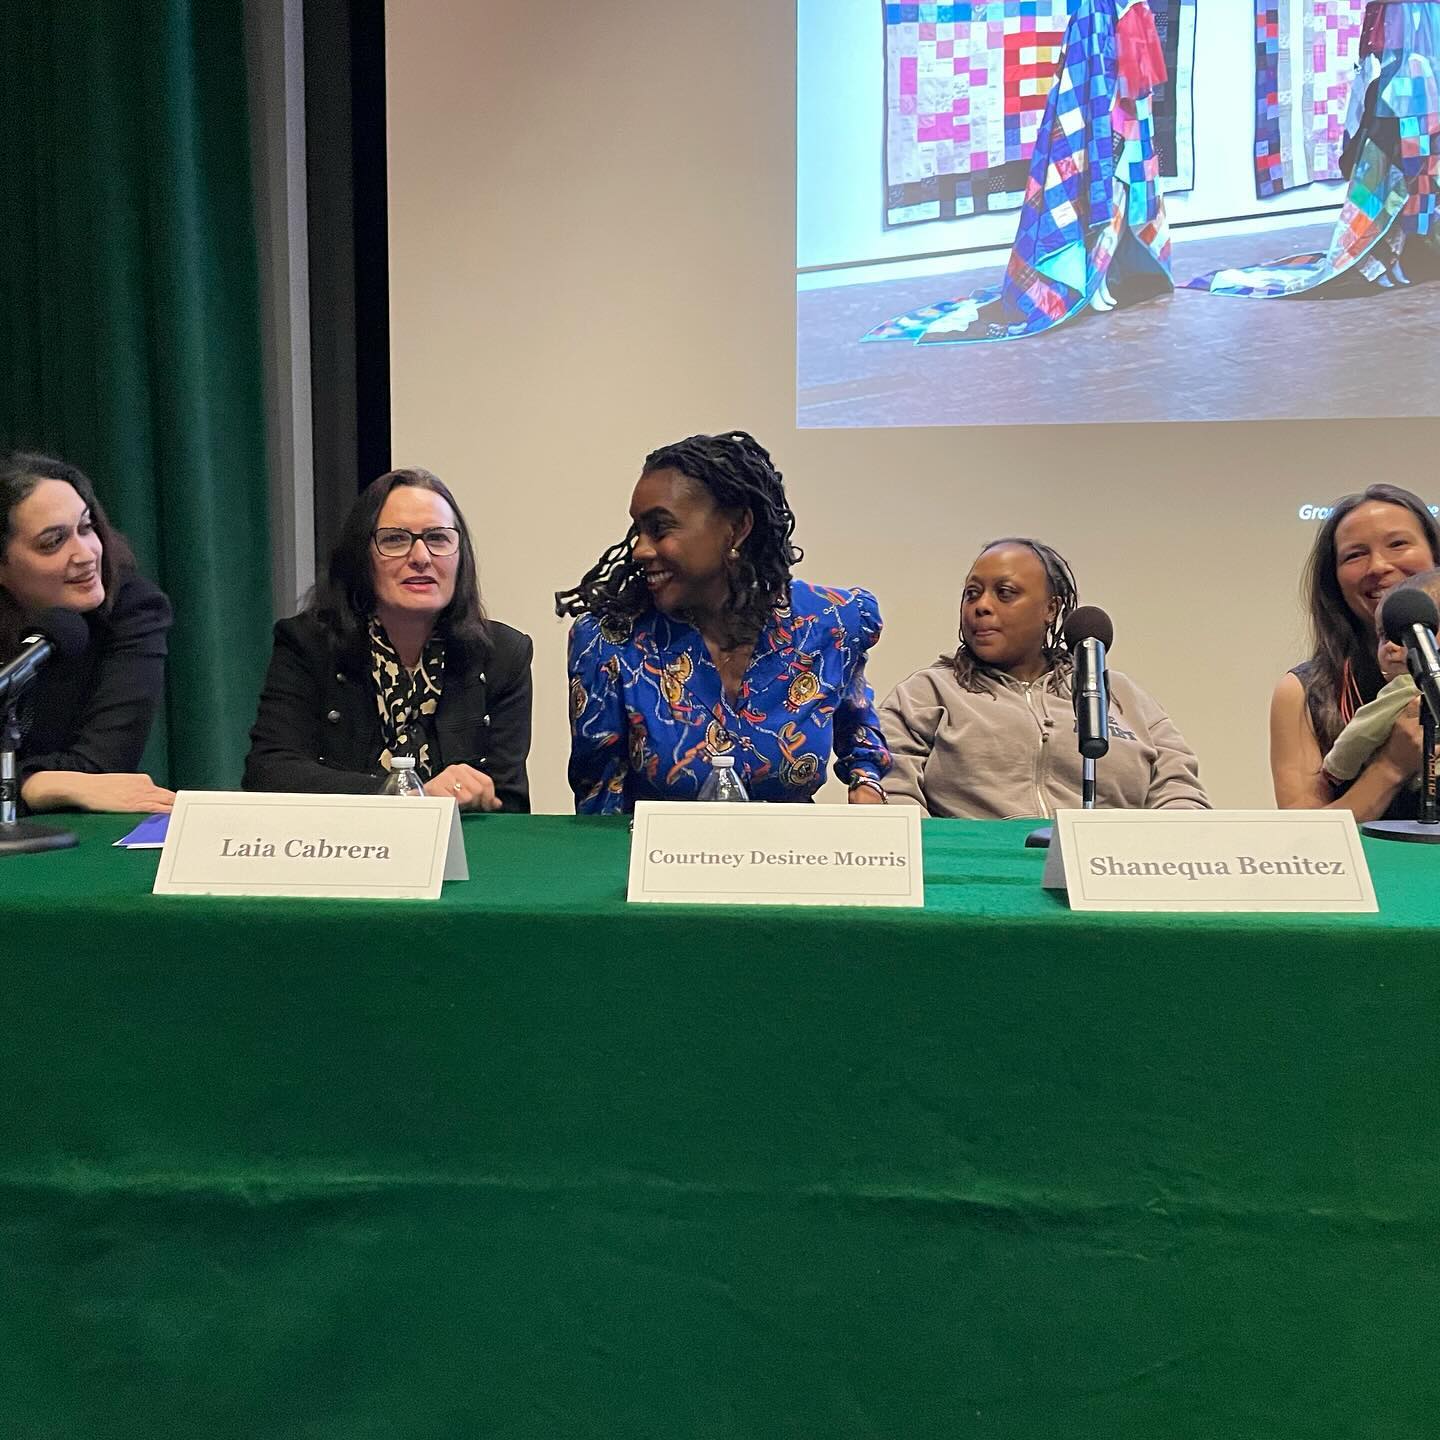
[592,252]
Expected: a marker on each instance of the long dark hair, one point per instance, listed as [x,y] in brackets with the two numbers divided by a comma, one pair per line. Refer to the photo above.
[738,473]
[344,599]
[1060,586]
[1343,643]
[20,473]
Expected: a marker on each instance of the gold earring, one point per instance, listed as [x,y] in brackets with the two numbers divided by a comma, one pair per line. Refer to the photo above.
[734,553]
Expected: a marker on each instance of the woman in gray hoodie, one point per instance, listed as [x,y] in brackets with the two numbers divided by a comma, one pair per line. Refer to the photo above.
[989,732]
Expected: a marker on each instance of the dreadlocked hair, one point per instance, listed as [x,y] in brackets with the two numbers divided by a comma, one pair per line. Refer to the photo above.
[1061,587]
[737,472]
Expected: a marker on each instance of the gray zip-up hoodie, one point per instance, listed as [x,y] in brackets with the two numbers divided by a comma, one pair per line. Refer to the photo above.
[1008,749]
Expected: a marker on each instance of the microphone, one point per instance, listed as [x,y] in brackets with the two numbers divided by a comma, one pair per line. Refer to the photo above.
[1088,634]
[52,632]
[1411,619]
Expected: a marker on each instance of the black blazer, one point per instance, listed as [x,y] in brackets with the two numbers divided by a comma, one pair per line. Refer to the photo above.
[94,712]
[318,727]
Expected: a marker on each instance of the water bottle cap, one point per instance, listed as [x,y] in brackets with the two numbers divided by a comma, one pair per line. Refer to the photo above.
[723,762]
[402,762]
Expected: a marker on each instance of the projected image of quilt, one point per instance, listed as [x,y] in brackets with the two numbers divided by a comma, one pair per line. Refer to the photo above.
[1388,231]
[1092,231]
[966,89]
[1306,52]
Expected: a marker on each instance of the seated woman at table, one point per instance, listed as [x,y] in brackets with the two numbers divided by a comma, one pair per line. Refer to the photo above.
[1374,722]
[693,640]
[988,733]
[85,721]
[1369,543]
[395,656]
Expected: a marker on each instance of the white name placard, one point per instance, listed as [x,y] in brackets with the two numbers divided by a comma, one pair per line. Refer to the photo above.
[371,847]
[685,852]
[1280,860]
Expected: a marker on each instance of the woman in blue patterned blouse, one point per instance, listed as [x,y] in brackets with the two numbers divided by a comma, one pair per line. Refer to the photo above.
[693,640]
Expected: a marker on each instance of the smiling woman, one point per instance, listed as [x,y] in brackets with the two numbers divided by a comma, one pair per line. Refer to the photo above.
[394,655]
[986,733]
[1369,544]
[85,722]
[693,640]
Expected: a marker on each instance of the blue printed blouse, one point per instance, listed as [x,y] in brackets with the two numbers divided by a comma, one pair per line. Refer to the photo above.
[648,710]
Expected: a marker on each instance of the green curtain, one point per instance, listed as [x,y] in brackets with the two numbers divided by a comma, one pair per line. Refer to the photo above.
[129,320]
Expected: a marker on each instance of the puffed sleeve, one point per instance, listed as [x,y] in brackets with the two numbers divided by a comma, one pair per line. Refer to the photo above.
[860,749]
[599,755]
[128,680]
[909,717]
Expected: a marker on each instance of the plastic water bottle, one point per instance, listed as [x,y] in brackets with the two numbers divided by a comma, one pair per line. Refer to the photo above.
[724,784]
[403,780]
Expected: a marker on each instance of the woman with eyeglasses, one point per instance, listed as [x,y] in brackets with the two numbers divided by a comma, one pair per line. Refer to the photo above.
[395,656]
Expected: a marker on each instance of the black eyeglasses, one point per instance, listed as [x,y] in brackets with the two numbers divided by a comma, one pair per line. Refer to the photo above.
[439,540]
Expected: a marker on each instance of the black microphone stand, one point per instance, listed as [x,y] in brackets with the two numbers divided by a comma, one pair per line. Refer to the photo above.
[21,837]
[1425,830]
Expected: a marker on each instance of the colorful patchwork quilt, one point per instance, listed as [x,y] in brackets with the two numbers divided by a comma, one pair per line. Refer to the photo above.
[1366,222]
[1306,52]
[965,94]
[1093,222]
[1393,157]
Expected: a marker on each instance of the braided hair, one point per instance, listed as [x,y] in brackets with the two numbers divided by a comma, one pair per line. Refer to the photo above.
[737,472]
[1061,587]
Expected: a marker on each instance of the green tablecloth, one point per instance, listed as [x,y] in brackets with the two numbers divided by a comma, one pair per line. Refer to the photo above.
[525,1162]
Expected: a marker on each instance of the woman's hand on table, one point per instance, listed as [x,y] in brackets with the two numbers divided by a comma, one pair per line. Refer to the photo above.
[75,790]
[472,788]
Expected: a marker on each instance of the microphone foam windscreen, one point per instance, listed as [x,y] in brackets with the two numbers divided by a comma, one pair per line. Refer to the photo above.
[1402,609]
[64,629]
[1088,622]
